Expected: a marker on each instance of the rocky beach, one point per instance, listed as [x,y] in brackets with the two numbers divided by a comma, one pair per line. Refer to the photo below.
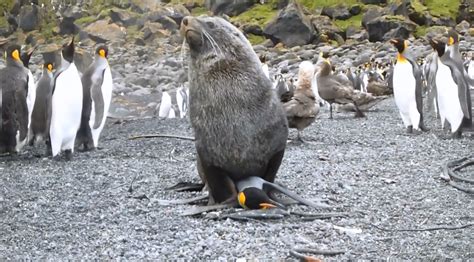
[105,204]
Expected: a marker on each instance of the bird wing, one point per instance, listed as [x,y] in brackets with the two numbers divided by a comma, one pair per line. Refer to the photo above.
[98,98]
[419,84]
[301,105]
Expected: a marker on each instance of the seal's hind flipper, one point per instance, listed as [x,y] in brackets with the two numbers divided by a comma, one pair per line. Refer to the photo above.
[192,200]
[186,186]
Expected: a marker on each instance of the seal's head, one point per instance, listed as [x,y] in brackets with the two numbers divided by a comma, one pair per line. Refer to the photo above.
[214,40]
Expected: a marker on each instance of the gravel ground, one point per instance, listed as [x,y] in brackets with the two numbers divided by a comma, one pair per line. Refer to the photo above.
[368,167]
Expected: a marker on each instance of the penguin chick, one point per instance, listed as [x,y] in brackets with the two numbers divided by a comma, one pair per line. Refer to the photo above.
[302,108]
[255,198]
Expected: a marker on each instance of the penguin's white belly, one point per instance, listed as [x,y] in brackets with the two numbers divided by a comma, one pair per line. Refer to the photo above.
[106,88]
[67,110]
[470,71]
[180,101]
[31,96]
[266,71]
[165,105]
[404,86]
[448,99]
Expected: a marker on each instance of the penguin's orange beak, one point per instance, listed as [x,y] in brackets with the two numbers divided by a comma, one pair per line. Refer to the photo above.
[393,41]
[266,206]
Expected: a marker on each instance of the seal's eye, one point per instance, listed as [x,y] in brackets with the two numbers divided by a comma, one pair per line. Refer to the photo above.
[211,25]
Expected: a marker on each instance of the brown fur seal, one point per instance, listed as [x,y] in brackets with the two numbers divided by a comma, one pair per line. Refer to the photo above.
[239,124]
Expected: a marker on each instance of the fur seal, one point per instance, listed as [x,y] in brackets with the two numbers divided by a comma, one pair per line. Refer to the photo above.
[239,124]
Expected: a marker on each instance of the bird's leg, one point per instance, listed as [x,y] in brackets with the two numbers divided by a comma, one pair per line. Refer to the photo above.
[330,111]
[409,129]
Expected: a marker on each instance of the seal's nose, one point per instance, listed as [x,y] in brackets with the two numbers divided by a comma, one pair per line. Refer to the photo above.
[185,21]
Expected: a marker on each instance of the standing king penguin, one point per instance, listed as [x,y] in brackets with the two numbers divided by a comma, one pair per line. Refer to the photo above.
[31,96]
[41,117]
[14,87]
[97,85]
[66,104]
[451,84]
[407,88]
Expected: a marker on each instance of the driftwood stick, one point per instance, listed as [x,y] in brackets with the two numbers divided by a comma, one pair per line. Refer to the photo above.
[161,135]
[434,228]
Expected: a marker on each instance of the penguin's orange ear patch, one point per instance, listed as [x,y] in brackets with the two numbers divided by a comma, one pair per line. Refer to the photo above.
[102,53]
[451,40]
[16,54]
[50,67]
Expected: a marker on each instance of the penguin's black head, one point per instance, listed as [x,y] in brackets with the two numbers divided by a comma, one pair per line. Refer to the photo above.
[68,51]
[13,53]
[438,46]
[453,37]
[25,57]
[102,51]
[254,198]
[400,44]
[263,58]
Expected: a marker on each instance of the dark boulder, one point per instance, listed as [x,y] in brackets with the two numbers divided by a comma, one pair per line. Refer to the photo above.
[355,10]
[229,7]
[122,17]
[373,2]
[252,29]
[387,27]
[29,18]
[67,26]
[466,12]
[372,13]
[291,27]
[340,12]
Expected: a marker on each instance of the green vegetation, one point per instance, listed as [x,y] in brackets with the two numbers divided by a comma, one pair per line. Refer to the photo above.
[355,21]
[258,14]
[443,8]
[313,4]
[6,5]
[255,39]
[418,6]
[197,11]
[420,31]
[85,20]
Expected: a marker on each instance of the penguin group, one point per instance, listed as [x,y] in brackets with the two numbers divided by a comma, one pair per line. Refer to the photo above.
[64,109]
[447,79]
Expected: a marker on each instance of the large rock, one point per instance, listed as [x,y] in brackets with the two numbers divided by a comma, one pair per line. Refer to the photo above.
[103,30]
[169,16]
[29,18]
[67,26]
[372,13]
[291,27]
[122,17]
[324,25]
[144,6]
[152,31]
[466,11]
[229,7]
[386,27]
[340,12]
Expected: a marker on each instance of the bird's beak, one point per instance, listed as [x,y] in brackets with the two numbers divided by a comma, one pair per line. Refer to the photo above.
[393,41]
[266,206]
[50,67]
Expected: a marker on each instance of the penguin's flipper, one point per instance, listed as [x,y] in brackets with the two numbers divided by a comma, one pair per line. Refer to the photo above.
[273,186]
[98,98]
[22,112]
[463,91]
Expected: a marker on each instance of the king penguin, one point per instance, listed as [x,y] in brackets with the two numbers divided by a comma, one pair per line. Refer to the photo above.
[41,116]
[66,104]
[30,100]
[407,88]
[97,85]
[451,83]
[14,87]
